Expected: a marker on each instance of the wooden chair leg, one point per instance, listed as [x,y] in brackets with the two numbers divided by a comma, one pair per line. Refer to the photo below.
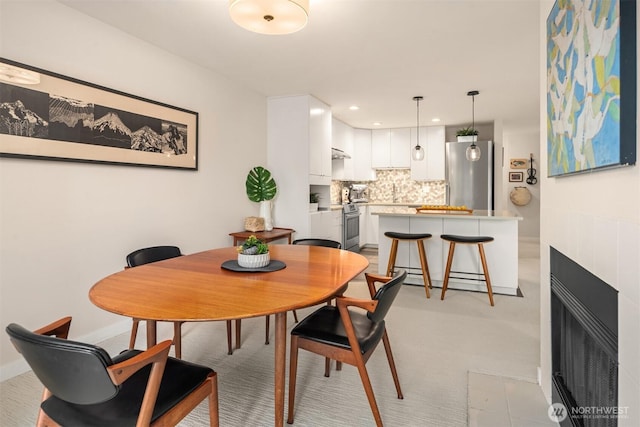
[177,339]
[426,277]
[327,367]
[392,363]
[266,330]
[229,339]
[452,247]
[214,413]
[338,365]
[293,368]
[486,272]
[392,257]
[295,316]
[134,334]
[364,376]
[238,332]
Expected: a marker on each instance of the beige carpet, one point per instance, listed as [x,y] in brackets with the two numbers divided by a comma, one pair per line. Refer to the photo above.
[435,344]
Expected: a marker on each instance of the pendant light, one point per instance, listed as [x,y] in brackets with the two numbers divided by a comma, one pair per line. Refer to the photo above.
[270,16]
[417,153]
[473,151]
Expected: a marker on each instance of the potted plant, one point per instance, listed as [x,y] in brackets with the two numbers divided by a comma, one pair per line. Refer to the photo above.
[314,200]
[468,134]
[262,188]
[253,253]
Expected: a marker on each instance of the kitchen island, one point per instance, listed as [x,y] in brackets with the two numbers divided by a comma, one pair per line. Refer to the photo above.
[502,253]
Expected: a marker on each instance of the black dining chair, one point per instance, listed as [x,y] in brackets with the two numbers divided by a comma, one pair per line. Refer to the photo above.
[85,386]
[349,336]
[154,254]
[309,242]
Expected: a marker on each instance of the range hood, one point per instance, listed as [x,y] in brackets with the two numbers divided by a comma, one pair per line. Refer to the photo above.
[336,153]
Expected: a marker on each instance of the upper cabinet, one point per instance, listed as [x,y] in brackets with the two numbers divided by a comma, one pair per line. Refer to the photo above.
[391,148]
[431,168]
[319,142]
[361,156]
[342,136]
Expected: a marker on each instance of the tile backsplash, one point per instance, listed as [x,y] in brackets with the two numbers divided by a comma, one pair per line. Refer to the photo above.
[396,186]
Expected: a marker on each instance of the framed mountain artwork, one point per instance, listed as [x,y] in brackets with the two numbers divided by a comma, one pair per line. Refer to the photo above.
[591,85]
[44,115]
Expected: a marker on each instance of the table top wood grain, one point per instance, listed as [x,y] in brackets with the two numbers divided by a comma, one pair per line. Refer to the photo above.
[195,287]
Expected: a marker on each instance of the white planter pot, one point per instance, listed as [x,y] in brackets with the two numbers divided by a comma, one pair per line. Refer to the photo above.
[253,261]
[266,213]
[313,207]
[467,138]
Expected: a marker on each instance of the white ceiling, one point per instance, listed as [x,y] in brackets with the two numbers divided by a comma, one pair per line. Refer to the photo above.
[377,54]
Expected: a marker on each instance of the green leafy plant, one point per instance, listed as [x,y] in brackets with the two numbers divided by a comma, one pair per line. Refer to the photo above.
[314,198]
[260,185]
[253,246]
[466,131]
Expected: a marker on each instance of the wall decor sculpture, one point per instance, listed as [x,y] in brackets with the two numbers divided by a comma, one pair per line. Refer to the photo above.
[62,118]
[591,85]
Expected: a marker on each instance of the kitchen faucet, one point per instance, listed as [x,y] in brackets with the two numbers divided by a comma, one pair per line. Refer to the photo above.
[394,194]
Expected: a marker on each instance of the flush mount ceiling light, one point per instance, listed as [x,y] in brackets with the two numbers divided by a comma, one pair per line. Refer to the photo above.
[418,152]
[473,151]
[11,74]
[270,16]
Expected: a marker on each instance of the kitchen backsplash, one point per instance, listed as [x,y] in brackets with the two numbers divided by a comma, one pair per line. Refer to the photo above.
[396,186]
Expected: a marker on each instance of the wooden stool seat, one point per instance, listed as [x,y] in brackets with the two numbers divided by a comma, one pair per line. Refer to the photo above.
[467,240]
[419,238]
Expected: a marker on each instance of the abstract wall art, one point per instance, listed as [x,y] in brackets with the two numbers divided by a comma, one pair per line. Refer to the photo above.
[591,85]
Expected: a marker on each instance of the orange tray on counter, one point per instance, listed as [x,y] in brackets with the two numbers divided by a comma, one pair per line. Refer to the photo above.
[443,209]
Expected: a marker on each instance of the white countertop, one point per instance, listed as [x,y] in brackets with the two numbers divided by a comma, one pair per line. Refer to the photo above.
[476,214]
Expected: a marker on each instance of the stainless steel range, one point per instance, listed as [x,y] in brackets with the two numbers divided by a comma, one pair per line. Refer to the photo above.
[351,227]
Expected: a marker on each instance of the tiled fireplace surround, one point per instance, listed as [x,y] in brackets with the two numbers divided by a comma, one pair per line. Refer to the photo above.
[609,249]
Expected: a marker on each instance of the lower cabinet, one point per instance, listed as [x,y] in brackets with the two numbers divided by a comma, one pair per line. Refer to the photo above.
[326,225]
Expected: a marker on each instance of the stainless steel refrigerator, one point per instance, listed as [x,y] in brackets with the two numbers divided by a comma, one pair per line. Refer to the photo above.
[469,183]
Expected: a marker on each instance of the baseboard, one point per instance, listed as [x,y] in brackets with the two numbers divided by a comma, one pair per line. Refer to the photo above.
[20,366]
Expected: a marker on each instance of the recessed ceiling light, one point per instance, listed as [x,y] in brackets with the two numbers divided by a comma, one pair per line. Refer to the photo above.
[435,120]
[354,108]
[377,123]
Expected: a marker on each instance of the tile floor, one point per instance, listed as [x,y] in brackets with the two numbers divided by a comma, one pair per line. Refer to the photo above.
[502,402]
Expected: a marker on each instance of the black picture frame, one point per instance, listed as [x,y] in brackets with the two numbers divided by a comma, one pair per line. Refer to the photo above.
[67,119]
[516,176]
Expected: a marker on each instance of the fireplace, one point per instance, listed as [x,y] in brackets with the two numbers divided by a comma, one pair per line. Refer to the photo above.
[584,345]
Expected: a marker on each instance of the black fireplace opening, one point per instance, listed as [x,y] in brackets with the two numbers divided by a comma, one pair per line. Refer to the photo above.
[584,345]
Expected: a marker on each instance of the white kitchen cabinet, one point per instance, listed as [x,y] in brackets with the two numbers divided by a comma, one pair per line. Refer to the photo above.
[342,138]
[319,142]
[432,167]
[336,225]
[361,156]
[296,127]
[391,148]
[321,225]
[369,226]
[400,148]
[380,143]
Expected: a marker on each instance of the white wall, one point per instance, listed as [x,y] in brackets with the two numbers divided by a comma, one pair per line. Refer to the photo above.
[519,145]
[63,226]
[594,218]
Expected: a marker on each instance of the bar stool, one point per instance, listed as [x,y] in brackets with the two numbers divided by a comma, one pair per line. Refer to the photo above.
[419,239]
[467,240]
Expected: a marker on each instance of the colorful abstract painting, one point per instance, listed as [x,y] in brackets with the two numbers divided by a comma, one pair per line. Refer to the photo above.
[591,74]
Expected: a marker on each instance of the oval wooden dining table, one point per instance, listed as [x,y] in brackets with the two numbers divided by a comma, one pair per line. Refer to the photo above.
[195,288]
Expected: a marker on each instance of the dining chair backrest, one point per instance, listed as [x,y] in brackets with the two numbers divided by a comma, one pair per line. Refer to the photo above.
[152,254]
[386,295]
[318,242]
[70,370]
